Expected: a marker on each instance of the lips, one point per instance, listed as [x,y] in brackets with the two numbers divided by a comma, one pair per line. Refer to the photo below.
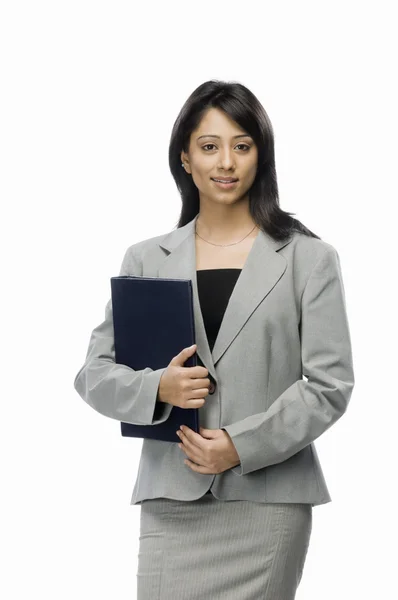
[224,180]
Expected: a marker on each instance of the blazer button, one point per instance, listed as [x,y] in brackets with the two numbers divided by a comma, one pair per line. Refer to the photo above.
[212,388]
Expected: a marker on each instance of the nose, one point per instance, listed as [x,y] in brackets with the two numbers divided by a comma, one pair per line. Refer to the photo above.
[226,159]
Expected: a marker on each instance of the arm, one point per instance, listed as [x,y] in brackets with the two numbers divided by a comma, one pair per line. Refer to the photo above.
[116,390]
[307,408]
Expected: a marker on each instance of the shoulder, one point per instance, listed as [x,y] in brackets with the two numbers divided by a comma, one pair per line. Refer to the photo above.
[306,251]
[307,246]
[138,249]
[135,253]
[309,257]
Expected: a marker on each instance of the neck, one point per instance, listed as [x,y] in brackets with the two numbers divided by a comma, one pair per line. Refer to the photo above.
[221,229]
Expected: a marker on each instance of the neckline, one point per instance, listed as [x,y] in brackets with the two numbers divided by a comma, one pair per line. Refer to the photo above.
[220,269]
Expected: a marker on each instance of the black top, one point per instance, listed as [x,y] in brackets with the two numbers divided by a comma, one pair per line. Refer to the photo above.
[215,288]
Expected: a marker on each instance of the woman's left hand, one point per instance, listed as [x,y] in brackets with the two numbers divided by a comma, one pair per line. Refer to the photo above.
[212,450]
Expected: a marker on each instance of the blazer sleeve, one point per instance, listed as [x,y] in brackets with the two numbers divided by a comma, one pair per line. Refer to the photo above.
[306,408]
[113,389]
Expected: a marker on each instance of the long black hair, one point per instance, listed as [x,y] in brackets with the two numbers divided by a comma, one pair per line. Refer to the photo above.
[242,106]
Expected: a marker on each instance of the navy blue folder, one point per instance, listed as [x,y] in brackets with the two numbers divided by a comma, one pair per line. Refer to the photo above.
[153,321]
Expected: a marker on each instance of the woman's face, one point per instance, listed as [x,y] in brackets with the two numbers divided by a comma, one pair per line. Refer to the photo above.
[220,148]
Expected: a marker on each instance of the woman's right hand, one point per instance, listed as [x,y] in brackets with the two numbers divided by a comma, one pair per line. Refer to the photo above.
[181,386]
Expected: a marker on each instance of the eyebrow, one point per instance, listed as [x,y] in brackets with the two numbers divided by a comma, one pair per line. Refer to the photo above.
[218,137]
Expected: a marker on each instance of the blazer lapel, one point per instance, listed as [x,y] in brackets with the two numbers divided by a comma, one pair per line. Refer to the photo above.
[261,272]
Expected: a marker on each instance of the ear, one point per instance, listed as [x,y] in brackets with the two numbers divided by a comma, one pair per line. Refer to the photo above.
[185,160]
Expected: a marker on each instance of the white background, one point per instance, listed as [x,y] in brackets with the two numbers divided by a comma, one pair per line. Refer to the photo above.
[89,94]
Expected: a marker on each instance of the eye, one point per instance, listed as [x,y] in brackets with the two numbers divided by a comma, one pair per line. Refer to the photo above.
[244,145]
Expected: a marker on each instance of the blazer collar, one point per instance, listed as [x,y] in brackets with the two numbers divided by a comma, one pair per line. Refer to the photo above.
[262,270]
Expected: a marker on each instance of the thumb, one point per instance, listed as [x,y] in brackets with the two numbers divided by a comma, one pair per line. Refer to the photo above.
[183,356]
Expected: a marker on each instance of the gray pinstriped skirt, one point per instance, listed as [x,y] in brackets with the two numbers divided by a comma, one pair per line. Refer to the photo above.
[215,550]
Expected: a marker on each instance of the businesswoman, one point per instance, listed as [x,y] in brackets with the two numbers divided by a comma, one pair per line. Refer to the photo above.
[226,512]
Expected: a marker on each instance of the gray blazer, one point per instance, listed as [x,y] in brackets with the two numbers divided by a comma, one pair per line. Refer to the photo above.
[286,318]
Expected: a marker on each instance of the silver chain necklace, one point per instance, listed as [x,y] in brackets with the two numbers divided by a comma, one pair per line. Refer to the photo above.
[224,245]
